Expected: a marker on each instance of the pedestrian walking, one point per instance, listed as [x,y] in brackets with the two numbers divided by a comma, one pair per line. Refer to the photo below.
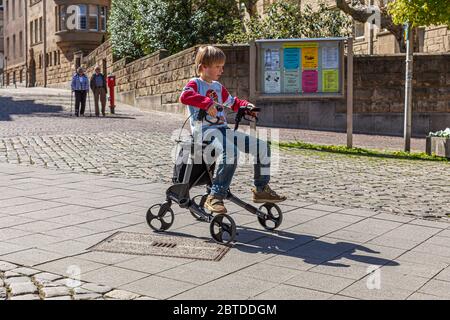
[80,85]
[98,87]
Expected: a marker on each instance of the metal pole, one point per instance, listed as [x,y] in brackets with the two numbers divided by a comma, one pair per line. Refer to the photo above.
[350,92]
[408,88]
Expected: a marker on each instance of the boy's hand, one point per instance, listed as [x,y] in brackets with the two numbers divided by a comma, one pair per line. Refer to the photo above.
[251,113]
[212,111]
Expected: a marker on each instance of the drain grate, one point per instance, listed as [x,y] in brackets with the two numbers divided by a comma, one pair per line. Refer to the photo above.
[164,245]
[161,245]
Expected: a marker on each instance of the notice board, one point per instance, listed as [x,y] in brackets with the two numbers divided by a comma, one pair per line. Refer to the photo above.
[299,68]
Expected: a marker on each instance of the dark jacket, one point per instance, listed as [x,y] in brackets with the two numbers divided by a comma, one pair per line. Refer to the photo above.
[93,82]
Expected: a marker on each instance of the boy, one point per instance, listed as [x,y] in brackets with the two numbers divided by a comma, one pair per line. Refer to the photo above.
[206,93]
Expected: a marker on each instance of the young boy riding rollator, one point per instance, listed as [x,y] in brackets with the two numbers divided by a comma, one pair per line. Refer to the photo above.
[206,93]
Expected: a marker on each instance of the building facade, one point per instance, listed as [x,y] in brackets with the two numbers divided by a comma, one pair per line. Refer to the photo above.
[1,43]
[45,40]
[371,40]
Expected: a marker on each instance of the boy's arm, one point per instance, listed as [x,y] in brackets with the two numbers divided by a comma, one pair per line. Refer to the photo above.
[231,102]
[191,97]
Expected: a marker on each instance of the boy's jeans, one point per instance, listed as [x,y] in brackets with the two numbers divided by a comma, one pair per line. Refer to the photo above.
[225,146]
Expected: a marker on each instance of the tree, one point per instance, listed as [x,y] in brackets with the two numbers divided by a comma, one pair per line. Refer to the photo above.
[287,20]
[358,10]
[420,12]
[140,27]
[123,26]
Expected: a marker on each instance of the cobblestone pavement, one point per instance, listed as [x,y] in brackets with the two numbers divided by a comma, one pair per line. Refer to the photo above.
[22,283]
[36,129]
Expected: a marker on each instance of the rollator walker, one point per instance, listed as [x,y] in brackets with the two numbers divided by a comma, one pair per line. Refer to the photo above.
[188,174]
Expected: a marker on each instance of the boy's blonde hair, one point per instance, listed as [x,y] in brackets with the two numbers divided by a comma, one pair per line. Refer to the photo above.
[207,56]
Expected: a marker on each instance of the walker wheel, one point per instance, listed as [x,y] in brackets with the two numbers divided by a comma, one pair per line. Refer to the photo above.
[273,219]
[223,229]
[160,219]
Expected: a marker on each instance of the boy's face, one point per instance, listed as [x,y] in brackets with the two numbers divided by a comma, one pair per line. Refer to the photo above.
[213,72]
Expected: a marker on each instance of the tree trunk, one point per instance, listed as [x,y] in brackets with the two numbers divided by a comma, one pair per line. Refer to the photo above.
[362,15]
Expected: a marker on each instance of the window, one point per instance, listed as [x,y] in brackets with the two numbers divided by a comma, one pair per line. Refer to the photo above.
[20,9]
[36,31]
[32,32]
[40,61]
[93,17]
[14,47]
[82,16]
[359,29]
[13,7]
[103,11]
[59,57]
[20,44]
[7,47]
[40,29]
[55,58]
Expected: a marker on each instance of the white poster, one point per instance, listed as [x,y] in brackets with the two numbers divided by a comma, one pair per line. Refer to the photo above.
[330,58]
[272,59]
[272,82]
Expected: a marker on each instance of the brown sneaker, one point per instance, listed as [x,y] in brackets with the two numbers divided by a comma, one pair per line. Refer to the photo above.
[216,205]
[267,195]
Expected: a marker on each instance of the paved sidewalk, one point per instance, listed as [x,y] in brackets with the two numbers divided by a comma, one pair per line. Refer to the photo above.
[48,218]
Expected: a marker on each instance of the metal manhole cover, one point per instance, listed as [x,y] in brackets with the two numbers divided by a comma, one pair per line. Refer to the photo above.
[155,245]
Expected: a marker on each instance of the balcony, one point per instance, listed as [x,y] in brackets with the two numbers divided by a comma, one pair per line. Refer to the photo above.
[79,38]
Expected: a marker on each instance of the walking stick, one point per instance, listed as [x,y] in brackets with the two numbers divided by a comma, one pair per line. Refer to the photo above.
[89,100]
[71,102]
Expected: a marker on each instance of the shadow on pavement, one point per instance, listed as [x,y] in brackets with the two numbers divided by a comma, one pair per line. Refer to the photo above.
[305,247]
[9,107]
[308,248]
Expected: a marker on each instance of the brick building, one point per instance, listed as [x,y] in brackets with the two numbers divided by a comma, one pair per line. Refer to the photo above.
[45,40]
[370,40]
[1,43]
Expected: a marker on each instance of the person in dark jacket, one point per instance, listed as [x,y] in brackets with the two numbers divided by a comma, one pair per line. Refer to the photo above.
[80,85]
[98,86]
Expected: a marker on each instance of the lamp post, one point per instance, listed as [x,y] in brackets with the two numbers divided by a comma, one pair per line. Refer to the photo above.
[408,86]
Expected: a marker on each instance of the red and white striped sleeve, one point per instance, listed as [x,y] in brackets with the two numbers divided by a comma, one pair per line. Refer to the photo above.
[232,102]
[191,97]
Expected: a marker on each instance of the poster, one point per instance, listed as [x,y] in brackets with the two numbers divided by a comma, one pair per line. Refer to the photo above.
[272,82]
[292,81]
[272,59]
[310,58]
[291,58]
[330,58]
[310,81]
[330,80]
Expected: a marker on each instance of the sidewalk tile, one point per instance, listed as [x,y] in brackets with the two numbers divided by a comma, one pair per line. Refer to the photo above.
[112,276]
[287,292]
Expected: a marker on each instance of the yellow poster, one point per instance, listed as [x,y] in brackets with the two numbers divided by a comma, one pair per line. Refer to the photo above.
[330,80]
[310,58]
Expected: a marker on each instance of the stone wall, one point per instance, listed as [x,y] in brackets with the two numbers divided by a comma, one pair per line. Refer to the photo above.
[379,83]
[437,39]
[155,82]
